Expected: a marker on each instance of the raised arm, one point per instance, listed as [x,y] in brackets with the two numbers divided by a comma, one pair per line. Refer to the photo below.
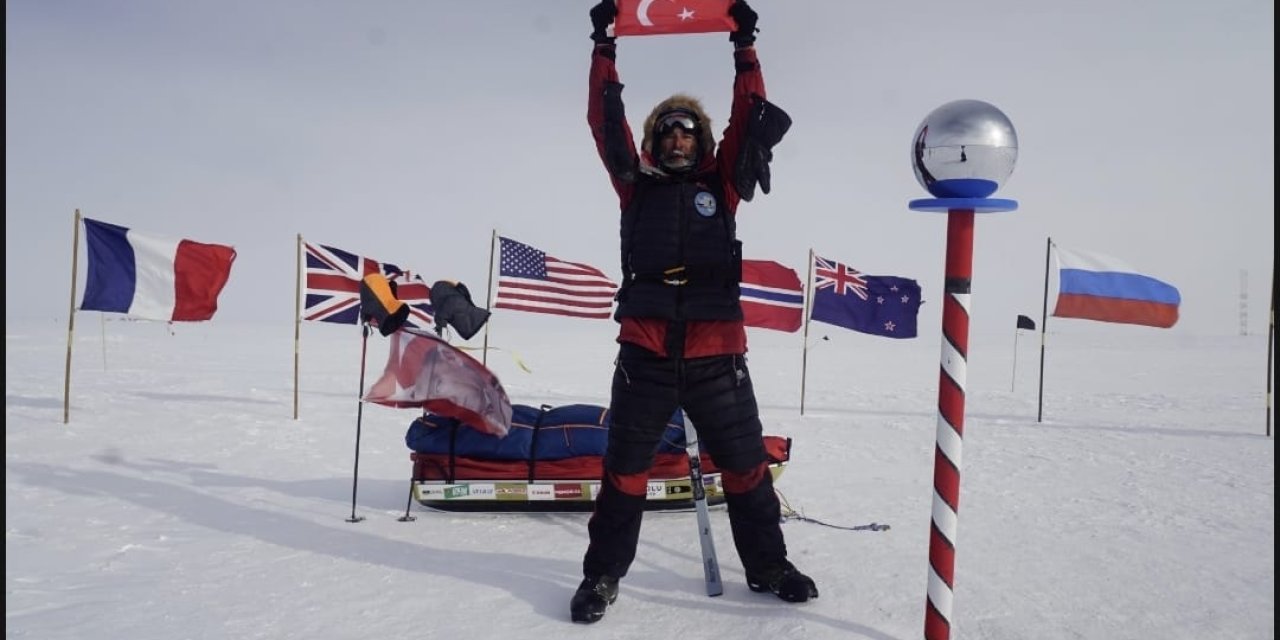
[605,112]
[748,81]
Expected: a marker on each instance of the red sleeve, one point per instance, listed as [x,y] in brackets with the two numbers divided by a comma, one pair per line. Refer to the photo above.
[603,73]
[747,81]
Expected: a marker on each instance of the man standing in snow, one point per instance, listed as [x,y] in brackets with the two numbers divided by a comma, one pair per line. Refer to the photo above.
[682,338]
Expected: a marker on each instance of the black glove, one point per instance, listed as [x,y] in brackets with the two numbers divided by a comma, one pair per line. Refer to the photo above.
[601,16]
[746,18]
[766,125]
[453,308]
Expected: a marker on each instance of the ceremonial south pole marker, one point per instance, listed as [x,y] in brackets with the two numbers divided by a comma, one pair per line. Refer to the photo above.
[961,153]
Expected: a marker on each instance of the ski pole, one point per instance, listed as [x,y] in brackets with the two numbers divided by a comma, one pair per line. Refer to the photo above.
[355,473]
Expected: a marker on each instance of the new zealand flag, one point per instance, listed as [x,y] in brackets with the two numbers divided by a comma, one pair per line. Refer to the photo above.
[880,305]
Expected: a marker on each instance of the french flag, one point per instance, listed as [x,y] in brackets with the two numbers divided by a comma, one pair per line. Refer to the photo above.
[1098,287]
[153,278]
[771,296]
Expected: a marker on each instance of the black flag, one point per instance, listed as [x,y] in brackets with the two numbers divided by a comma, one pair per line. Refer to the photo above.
[1026,323]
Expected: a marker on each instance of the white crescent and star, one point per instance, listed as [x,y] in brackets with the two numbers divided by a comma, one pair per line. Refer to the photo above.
[642,13]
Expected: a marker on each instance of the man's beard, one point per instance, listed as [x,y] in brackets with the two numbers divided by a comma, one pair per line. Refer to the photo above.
[677,161]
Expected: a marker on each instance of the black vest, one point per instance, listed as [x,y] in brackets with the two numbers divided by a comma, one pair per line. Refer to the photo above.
[681,259]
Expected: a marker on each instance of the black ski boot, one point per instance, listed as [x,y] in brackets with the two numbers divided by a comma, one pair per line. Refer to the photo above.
[782,579]
[593,596]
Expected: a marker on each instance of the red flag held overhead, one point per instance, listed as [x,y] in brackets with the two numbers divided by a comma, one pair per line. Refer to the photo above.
[657,17]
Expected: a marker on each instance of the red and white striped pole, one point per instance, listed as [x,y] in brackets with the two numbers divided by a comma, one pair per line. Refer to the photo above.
[961,154]
[946,454]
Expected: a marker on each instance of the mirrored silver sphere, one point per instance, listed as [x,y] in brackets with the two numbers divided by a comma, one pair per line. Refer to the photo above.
[964,149]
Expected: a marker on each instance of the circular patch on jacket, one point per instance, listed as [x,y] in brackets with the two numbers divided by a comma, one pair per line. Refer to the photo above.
[705,203]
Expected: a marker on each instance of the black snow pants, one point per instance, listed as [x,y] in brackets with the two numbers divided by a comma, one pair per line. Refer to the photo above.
[717,397]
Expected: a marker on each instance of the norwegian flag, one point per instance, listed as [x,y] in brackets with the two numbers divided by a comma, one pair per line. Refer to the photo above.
[424,371]
[333,287]
[771,296]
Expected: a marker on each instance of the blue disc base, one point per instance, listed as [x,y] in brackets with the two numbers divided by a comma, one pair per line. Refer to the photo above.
[962,188]
[977,205]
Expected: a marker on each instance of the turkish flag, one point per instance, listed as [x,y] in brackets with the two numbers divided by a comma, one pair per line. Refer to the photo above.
[657,17]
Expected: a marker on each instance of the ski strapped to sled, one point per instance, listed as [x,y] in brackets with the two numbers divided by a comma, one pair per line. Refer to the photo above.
[710,566]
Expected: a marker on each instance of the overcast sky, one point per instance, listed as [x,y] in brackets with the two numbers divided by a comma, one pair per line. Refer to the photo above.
[410,131]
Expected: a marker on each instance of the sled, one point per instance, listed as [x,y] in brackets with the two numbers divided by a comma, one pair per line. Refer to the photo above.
[551,460]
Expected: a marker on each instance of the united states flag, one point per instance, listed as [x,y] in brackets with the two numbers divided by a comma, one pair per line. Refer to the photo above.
[333,286]
[530,280]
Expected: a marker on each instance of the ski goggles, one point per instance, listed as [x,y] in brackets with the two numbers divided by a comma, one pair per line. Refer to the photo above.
[669,121]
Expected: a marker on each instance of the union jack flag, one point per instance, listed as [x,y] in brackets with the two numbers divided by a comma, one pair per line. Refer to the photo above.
[333,287]
[841,279]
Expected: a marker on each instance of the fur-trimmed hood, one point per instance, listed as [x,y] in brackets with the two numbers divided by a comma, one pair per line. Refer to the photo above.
[706,139]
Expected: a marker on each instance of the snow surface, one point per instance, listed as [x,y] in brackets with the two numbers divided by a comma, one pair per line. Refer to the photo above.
[183,500]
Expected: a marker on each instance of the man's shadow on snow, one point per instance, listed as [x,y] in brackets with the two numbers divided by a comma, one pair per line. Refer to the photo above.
[545,583]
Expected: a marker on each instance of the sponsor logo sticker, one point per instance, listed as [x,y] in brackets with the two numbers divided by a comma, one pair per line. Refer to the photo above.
[481,491]
[676,489]
[429,492]
[569,492]
[542,492]
[510,491]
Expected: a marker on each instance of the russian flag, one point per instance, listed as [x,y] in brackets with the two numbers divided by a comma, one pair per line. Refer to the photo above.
[771,296]
[153,278]
[1098,287]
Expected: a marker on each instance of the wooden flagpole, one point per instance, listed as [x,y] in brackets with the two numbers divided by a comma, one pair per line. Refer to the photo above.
[488,303]
[1044,328]
[297,318]
[71,320]
[804,358]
